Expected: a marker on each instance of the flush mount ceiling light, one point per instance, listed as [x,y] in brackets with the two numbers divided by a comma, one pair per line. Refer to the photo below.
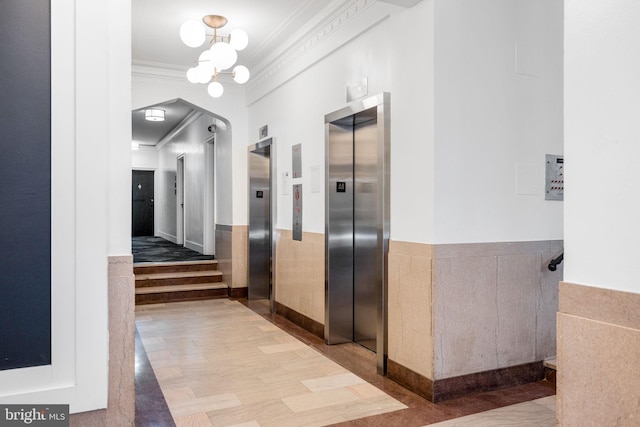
[219,57]
[154,114]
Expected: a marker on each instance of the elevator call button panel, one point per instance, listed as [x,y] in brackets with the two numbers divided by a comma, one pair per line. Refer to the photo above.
[554,182]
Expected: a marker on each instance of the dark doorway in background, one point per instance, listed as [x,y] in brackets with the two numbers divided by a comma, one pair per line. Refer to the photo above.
[142,203]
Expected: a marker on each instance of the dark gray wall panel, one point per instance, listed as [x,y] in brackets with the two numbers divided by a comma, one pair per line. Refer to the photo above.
[25,184]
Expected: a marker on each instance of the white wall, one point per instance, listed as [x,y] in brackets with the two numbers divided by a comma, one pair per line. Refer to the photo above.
[91,203]
[602,128]
[412,124]
[295,115]
[496,112]
[383,50]
[144,159]
[190,144]
[466,114]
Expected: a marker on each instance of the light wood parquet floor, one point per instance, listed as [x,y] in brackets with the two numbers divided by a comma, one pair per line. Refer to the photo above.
[221,364]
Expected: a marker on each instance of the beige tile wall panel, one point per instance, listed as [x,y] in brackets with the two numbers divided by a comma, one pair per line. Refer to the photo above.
[494,305]
[410,306]
[465,315]
[547,307]
[598,357]
[598,373]
[239,256]
[121,401]
[616,307]
[224,251]
[300,273]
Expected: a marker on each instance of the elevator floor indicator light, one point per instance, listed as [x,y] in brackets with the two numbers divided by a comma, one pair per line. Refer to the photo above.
[341,187]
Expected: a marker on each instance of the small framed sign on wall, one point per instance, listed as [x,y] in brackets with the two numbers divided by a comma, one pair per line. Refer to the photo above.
[263,132]
[296,158]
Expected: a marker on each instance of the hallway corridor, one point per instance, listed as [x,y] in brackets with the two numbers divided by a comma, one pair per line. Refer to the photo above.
[220,363]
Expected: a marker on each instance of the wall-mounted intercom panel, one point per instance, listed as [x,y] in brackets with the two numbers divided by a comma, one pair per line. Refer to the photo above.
[554,180]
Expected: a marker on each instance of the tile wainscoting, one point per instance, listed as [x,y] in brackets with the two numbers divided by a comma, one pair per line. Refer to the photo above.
[494,305]
[598,358]
[465,318]
[410,315]
[231,253]
[462,318]
[300,274]
[121,401]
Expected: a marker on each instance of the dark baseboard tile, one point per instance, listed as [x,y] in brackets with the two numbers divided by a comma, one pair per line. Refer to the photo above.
[237,293]
[451,388]
[410,380]
[306,323]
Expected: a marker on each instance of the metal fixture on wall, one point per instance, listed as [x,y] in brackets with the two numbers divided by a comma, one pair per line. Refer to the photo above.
[219,57]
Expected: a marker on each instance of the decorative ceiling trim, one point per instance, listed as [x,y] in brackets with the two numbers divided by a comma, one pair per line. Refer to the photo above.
[156,69]
[282,27]
[353,18]
[319,33]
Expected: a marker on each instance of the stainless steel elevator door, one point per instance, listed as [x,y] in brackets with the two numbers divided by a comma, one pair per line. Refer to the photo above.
[365,241]
[259,224]
[357,225]
[339,232]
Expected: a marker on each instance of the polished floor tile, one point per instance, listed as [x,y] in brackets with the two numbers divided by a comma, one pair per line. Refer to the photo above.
[229,363]
[221,364]
[537,413]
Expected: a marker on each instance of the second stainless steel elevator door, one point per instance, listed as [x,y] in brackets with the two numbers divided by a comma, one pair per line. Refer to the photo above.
[357,225]
[352,228]
[259,276]
[365,233]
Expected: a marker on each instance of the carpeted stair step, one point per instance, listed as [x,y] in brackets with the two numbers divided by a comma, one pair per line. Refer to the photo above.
[178,288]
[174,267]
[181,278]
[177,293]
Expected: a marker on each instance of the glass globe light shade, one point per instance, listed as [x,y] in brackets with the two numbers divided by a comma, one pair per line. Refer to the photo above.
[215,89]
[205,60]
[192,75]
[204,74]
[192,33]
[238,39]
[224,56]
[241,74]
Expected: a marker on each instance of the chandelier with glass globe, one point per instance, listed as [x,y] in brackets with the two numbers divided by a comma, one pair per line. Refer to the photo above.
[219,57]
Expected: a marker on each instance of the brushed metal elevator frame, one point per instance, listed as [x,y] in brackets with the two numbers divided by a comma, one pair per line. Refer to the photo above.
[263,148]
[336,296]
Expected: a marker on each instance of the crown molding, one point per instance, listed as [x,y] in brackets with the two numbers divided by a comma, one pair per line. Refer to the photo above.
[348,19]
[157,69]
[268,43]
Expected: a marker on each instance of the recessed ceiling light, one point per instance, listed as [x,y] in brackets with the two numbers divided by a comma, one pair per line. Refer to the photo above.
[154,115]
